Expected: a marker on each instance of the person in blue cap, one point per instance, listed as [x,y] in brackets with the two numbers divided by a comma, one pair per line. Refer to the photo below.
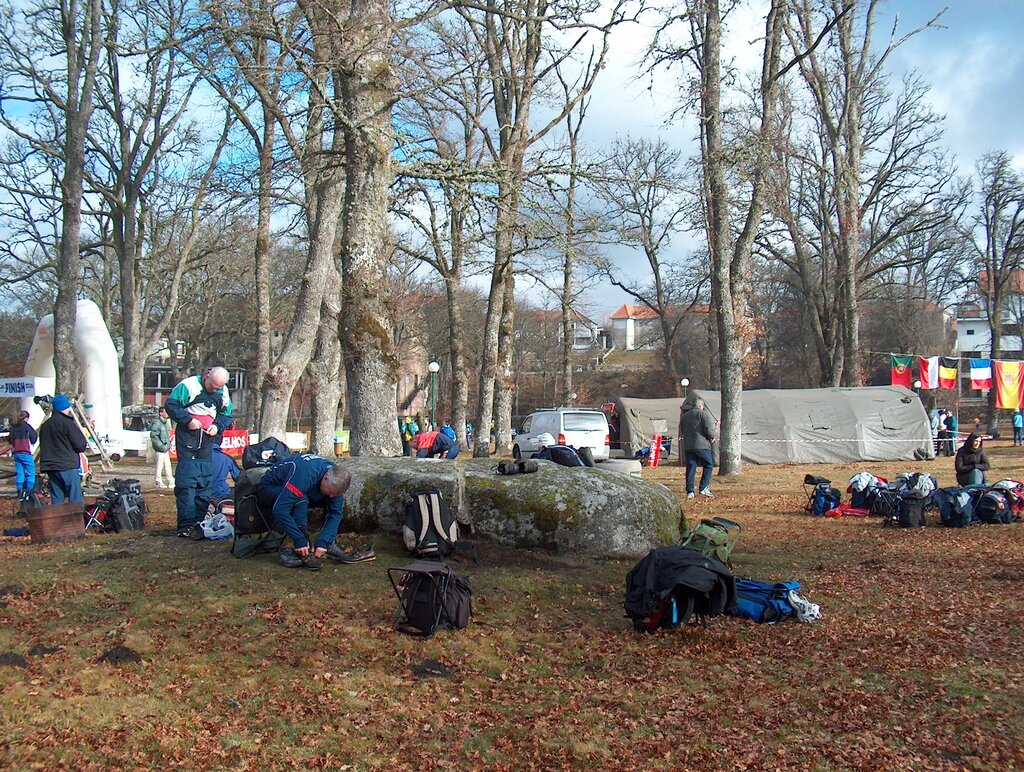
[287,491]
[60,442]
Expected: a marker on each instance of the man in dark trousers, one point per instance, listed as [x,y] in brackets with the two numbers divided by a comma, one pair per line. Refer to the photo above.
[22,437]
[202,409]
[698,430]
[60,442]
[288,490]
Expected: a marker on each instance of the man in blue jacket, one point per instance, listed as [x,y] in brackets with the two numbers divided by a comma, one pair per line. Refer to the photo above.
[202,409]
[288,490]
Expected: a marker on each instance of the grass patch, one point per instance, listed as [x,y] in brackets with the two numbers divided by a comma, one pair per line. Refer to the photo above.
[916,662]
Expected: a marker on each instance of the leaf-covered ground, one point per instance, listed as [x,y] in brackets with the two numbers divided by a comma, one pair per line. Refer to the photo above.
[916,664]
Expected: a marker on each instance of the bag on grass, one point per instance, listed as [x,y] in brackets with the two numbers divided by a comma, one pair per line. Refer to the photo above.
[713,538]
[32,500]
[911,511]
[824,498]
[427,611]
[430,529]
[250,520]
[764,603]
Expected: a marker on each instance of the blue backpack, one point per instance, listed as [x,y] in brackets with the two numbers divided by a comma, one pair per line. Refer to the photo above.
[763,602]
[824,498]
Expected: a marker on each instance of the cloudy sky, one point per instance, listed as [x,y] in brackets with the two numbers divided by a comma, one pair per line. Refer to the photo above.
[973,61]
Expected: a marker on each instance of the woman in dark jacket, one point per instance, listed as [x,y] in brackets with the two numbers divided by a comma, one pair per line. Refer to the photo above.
[971,462]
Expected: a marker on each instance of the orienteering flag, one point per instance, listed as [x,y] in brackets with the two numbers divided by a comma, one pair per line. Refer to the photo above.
[981,373]
[948,372]
[901,375]
[1009,381]
[929,372]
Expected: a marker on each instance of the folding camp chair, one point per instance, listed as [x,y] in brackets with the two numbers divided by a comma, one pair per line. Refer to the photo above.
[422,591]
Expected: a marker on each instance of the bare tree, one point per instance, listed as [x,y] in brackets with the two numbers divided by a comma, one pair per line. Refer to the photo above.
[511,35]
[50,53]
[642,187]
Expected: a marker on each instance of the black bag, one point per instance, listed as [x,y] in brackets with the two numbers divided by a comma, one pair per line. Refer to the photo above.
[249,519]
[427,611]
[265,453]
[562,455]
[31,501]
[911,512]
[430,529]
[993,507]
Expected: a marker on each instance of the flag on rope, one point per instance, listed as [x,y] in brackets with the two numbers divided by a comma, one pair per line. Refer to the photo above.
[901,375]
[929,372]
[981,373]
[948,372]
[1009,381]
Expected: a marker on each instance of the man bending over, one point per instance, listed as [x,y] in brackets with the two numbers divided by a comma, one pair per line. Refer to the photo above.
[288,490]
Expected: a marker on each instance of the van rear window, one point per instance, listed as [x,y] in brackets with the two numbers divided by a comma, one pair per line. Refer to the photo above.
[584,422]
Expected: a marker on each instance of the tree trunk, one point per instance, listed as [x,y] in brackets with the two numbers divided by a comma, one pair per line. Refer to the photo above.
[261,255]
[456,349]
[325,206]
[505,380]
[324,371]
[368,92]
[81,60]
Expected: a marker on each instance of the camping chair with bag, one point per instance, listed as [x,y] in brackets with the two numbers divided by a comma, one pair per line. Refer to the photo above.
[821,496]
[251,523]
[430,596]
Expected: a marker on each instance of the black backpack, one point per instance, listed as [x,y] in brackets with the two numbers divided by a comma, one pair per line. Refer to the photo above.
[248,517]
[911,512]
[562,455]
[32,500]
[427,611]
[430,529]
[265,453]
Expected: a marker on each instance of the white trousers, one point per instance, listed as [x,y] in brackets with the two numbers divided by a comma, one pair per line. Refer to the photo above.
[163,463]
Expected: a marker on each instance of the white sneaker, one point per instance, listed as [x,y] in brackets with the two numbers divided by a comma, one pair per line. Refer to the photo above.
[689,495]
[707,492]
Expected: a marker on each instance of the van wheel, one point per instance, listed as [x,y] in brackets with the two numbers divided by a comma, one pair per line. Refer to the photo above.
[516,453]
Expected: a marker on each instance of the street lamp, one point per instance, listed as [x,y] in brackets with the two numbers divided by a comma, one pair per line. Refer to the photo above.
[917,387]
[684,383]
[433,367]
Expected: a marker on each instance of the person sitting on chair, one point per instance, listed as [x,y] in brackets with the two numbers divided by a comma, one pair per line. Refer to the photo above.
[971,462]
[288,490]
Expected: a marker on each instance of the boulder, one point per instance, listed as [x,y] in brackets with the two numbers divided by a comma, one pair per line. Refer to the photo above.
[574,511]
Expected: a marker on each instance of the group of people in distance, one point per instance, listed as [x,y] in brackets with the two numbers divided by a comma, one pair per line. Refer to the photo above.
[430,443]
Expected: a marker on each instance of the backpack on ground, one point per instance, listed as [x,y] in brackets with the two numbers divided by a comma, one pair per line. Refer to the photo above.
[992,507]
[713,538]
[671,585]
[910,513]
[32,500]
[956,507]
[426,611]
[430,529]
[770,604]
[823,499]
[250,521]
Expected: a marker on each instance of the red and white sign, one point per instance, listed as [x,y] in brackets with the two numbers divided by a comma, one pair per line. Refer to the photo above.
[234,442]
[654,454]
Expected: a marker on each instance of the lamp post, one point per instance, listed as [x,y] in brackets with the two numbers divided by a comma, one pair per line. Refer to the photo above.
[433,367]
[684,383]
[917,387]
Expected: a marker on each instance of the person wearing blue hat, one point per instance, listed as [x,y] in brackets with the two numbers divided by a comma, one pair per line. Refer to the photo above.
[60,442]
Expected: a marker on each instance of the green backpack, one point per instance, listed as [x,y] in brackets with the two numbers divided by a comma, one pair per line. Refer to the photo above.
[713,538]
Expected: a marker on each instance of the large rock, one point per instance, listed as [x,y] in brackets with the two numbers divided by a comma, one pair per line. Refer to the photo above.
[577,511]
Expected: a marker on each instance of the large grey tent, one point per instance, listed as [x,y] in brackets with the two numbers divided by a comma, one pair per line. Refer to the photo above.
[800,426]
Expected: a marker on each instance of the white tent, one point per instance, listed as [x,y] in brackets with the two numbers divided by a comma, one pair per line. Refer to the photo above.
[801,426]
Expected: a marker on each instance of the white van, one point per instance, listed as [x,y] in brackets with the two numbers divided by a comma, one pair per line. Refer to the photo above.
[576,427]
